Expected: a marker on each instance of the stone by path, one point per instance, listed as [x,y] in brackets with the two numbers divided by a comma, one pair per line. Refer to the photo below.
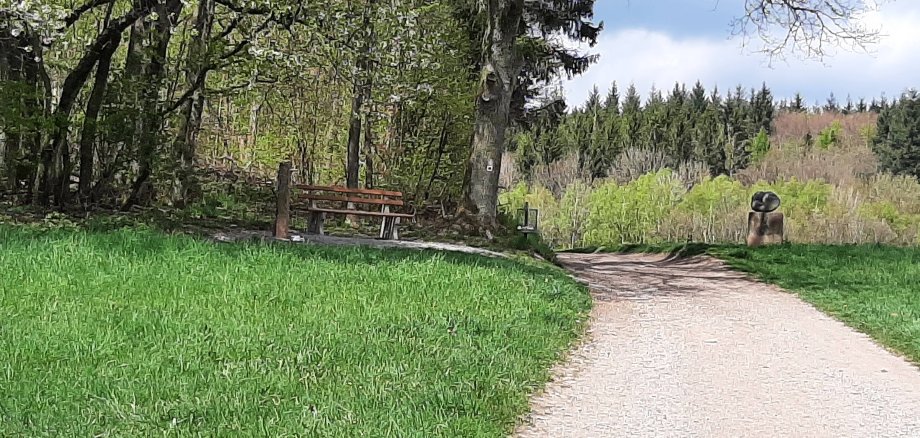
[687,348]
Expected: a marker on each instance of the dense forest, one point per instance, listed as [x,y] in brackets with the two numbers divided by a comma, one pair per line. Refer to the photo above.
[682,166]
[716,134]
[118,103]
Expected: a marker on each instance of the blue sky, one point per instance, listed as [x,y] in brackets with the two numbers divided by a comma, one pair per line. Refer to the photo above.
[660,42]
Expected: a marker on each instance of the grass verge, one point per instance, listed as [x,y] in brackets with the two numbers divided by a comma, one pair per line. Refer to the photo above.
[134,333]
[873,289]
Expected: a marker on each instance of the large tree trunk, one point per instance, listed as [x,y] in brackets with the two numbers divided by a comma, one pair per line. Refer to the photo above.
[93,105]
[499,76]
[186,142]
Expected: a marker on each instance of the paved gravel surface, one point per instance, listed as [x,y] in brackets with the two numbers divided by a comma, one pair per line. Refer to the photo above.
[687,348]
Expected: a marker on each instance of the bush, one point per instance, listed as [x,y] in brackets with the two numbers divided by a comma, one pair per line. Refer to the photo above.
[631,213]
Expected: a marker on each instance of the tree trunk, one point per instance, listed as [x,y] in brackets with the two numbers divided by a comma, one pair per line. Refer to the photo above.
[352,162]
[442,144]
[368,153]
[362,90]
[283,201]
[150,119]
[51,178]
[185,145]
[9,140]
[93,105]
[499,76]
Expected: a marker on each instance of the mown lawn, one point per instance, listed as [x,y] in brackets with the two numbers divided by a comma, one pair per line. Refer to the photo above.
[874,289]
[133,333]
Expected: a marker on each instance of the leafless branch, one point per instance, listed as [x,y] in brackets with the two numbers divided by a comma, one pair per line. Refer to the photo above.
[809,27]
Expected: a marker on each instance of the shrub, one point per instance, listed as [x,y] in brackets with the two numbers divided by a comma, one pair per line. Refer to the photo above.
[631,213]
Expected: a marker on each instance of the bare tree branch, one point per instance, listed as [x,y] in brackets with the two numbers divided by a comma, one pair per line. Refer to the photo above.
[809,27]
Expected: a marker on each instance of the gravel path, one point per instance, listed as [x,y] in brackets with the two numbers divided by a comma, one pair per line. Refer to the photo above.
[312,239]
[687,348]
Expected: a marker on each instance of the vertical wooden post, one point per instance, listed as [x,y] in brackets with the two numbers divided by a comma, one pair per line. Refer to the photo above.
[283,206]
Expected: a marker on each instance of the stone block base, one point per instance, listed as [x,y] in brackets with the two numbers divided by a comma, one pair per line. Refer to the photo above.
[765,228]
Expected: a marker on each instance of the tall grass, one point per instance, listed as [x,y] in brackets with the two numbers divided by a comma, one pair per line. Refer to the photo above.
[133,333]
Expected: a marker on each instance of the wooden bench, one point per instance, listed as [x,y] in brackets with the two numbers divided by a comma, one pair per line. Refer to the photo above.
[319,201]
[322,200]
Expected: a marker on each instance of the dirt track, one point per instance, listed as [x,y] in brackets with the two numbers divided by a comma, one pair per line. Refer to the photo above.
[687,348]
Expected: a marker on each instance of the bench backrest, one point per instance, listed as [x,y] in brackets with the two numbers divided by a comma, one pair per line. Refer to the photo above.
[347,195]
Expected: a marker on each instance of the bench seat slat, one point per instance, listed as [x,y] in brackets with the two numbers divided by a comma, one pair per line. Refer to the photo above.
[337,189]
[353,199]
[360,212]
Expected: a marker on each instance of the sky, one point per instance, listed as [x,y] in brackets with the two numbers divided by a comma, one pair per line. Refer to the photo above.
[660,42]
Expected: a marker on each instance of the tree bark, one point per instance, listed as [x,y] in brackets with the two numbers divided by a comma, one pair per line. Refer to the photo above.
[362,89]
[150,119]
[442,144]
[352,163]
[90,121]
[500,70]
[186,143]
[283,201]
[368,153]
[9,141]
[53,152]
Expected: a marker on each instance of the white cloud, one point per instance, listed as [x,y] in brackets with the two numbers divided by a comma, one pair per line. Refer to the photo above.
[647,58]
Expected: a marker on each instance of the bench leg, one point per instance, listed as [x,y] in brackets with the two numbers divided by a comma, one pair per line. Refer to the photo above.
[389,229]
[316,223]
[385,228]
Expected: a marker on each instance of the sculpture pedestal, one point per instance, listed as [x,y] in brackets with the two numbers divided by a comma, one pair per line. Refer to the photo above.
[765,228]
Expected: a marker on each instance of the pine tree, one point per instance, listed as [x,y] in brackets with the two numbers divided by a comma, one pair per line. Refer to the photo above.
[612,102]
[631,118]
[798,104]
[763,110]
[897,142]
[849,108]
[698,101]
[831,106]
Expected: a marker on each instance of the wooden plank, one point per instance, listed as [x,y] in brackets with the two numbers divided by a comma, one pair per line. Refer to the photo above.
[353,199]
[283,201]
[360,213]
[337,189]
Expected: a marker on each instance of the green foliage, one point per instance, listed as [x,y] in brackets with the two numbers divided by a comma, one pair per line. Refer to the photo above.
[658,208]
[799,199]
[714,196]
[899,221]
[631,213]
[898,140]
[760,146]
[132,333]
[830,136]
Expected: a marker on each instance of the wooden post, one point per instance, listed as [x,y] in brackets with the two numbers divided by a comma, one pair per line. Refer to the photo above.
[283,206]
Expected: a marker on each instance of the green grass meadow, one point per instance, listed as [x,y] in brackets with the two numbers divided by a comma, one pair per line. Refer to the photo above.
[874,289]
[135,333]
